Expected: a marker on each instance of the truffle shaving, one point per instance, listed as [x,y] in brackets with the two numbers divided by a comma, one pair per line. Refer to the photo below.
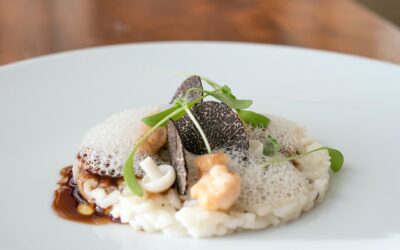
[191,82]
[221,125]
[177,158]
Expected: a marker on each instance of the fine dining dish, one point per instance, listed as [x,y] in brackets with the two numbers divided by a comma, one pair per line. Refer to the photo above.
[350,103]
[202,168]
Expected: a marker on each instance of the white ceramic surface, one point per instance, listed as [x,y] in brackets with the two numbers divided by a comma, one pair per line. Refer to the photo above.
[351,103]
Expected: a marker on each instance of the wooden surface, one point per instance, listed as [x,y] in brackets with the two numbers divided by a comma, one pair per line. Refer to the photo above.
[30,28]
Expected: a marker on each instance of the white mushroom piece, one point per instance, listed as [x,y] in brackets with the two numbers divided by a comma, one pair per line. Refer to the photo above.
[218,188]
[157,179]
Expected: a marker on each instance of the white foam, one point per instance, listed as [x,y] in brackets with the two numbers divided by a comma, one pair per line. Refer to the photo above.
[289,135]
[106,146]
[265,188]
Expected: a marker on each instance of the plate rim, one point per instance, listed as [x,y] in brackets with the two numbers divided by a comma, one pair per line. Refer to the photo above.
[73,52]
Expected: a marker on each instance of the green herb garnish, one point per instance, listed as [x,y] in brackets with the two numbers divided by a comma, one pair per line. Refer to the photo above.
[229,99]
[152,120]
[337,159]
[336,156]
[271,146]
[254,119]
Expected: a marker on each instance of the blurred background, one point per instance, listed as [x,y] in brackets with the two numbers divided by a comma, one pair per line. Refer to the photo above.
[30,28]
[389,9]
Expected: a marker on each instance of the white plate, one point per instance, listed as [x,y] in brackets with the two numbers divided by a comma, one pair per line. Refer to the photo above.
[48,103]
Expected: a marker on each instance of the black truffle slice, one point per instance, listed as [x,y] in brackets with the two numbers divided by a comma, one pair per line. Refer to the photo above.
[177,158]
[191,82]
[221,125]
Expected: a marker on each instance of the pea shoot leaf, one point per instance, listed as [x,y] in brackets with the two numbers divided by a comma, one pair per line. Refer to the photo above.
[210,82]
[337,159]
[253,118]
[152,120]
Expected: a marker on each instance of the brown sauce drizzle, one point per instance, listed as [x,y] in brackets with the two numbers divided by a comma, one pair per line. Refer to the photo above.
[67,199]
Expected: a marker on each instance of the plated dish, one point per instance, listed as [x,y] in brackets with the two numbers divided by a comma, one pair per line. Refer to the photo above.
[195,167]
[48,104]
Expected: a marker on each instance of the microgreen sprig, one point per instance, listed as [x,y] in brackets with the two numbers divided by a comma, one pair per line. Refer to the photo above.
[249,117]
[223,94]
[254,119]
[336,156]
[152,120]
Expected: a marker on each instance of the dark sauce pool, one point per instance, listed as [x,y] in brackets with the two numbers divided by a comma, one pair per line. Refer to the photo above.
[67,199]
